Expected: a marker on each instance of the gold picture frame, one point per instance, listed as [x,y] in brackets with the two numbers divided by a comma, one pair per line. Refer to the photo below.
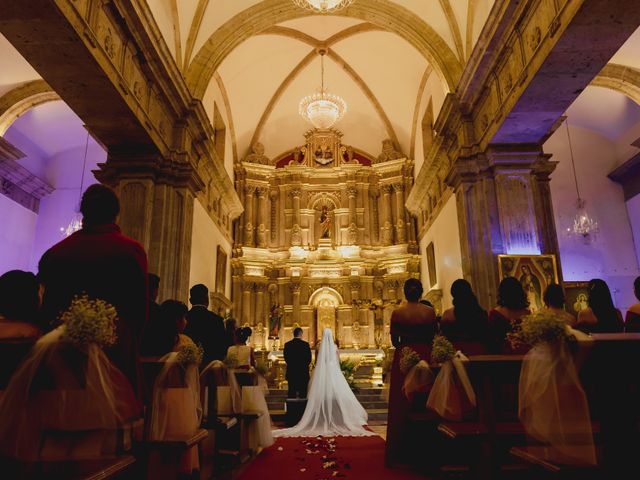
[576,295]
[535,273]
[431,265]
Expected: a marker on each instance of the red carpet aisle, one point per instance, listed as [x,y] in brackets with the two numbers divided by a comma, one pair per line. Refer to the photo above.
[360,458]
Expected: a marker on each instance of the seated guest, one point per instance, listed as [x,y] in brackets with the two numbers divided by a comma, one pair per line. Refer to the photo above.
[632,321]
[466,324]
[601,316]
[413,325]
[205,327]
[166,334]
[554,302]
[512,306]
[241,352]
[19,305]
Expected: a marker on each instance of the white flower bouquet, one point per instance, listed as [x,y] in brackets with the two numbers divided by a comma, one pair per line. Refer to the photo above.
[89,321]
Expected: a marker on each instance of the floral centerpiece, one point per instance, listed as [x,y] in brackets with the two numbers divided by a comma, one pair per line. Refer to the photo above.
[190,355]
[89,321]
[540,327]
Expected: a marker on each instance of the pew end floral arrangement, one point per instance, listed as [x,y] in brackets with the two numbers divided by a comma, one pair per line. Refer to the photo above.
[539,327]
[88,321]
[190,355]
[442,350]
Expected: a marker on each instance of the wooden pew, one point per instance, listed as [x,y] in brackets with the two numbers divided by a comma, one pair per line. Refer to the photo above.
[161,458]
[12,352]
[612,384]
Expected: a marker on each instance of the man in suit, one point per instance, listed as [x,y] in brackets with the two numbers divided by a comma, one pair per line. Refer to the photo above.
[297,355]
[103,263]
[154,308]
[205,327]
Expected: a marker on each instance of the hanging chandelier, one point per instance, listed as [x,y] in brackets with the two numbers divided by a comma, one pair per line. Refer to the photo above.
[76,222]
[583,225]
[322,109]
[322,6]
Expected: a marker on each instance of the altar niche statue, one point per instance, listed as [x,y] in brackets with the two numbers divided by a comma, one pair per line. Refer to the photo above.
[389,152]
[275,321]
[325,223]
[258,155]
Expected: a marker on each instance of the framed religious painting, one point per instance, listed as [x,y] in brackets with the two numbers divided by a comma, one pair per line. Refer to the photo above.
[221,270]
[576,296]
[535,273]
[431,265]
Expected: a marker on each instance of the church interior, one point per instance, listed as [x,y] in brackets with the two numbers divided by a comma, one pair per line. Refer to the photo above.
[303,159]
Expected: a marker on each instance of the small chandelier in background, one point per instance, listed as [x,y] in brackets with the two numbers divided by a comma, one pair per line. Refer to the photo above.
[76,222]
[322,109]
[583,225]
[322,6]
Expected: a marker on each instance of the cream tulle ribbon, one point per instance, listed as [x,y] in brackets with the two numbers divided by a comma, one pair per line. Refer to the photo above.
[446,398]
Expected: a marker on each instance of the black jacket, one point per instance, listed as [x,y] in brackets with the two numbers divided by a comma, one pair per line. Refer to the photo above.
[207,329]
[297,355]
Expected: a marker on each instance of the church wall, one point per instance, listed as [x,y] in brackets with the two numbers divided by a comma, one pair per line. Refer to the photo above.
[63,172]
[633,211]
[205,240]
[445,236]
[433,91]
[212,95]
[612,255]
[16,236]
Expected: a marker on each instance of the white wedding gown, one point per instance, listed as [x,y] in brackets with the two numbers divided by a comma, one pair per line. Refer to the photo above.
[332,408]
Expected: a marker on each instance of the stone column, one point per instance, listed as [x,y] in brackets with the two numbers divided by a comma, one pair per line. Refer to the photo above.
[249,225]
[295,288]
[375,216]
[156,208]
[401,230]
[273,214]
[260,316]
[246,303]
[386,228]
[295,196]
[262,218]
[352,193]
[504,206]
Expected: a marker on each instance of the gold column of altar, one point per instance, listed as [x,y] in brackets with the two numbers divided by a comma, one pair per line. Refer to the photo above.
[326,233]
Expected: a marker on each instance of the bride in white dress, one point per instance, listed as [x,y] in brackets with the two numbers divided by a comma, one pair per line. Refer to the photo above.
[332,408]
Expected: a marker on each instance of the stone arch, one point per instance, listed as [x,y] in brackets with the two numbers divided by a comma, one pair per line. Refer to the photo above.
[620,78]
[317,201]
[326,293]
[254,20]
[22,99]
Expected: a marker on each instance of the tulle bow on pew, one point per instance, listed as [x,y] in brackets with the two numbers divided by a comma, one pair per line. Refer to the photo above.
[553,406]
[452,395]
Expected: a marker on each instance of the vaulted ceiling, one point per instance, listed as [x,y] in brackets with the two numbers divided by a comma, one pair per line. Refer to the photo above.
[378,62]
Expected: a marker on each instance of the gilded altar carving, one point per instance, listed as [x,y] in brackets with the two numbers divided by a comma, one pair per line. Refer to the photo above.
[389,152]
[257,155]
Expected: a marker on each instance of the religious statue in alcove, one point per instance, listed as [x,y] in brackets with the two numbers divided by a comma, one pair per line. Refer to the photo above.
[325,223]
[275,321]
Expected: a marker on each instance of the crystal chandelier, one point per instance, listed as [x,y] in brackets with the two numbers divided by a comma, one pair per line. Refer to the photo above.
[583,225]
[322,6]
[76,222]
[322,109]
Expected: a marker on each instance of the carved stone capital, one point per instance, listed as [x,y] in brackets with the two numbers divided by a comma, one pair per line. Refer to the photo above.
[352,192]
[398,187]
[249,189]
[274,194]
[386,189]
[295,193]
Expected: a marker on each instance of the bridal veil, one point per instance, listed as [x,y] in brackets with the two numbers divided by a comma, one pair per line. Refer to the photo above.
[332,408]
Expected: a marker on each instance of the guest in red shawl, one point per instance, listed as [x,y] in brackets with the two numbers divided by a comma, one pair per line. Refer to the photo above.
[102,262]
[413,325]
[512,306]
[632,320]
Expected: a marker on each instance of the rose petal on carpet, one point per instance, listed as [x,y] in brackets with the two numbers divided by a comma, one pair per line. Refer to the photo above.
[349,458]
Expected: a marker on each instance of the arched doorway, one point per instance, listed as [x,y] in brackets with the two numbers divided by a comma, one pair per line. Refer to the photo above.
[325,301]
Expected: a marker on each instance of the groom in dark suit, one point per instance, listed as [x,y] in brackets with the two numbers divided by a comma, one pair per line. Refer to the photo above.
[297,355]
